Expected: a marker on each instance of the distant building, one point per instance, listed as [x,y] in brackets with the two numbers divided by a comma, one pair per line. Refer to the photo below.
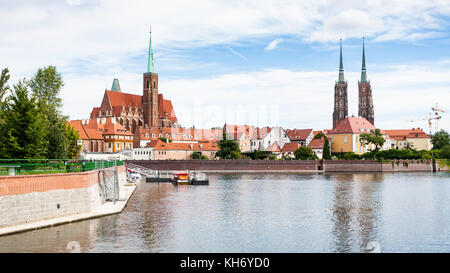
[345,137]
[132,111]
[275,149]
[365,106]
[289,148]
[302,136]
[340,95]
[142,136]
[181,150]
[103,135]
[317,146]
[414,138]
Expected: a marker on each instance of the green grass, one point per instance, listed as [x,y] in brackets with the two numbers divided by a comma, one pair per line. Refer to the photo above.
[444,162]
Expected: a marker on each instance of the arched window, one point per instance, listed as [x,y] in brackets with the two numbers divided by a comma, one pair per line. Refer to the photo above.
[147,84]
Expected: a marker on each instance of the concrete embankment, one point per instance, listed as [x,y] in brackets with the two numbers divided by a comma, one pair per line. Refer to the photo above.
[286,166]
[37,201]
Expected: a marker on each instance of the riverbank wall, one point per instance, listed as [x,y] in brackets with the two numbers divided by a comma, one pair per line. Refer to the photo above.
[299,166]
[231,165]
[34,201]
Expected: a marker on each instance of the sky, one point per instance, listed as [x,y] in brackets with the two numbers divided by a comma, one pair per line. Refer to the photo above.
[240,62]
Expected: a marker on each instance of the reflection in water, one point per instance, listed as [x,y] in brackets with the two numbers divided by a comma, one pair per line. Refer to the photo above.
[266,213]
[356,210]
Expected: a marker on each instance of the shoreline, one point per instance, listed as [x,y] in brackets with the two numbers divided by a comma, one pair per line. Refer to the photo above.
[107,208]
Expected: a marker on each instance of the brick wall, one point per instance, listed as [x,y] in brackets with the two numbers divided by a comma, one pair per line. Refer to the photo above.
[373,166]
[229,165]
[30,198]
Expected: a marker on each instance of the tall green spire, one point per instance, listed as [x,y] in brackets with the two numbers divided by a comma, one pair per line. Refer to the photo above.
[150,68]
[363,69]
[341,66]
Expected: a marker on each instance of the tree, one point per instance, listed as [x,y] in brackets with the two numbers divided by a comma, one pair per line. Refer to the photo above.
[304,153]
[4,78]
[440,139]
[23,133]
[445,152]
[374,138]
[326,149]
[72,136]
[229,149]
[196,155]
[46,86]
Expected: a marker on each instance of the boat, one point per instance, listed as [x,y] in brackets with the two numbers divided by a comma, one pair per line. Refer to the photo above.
[193,178]
[181,178]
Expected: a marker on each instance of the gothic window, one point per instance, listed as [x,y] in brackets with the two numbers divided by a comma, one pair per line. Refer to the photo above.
[147,84]
[340,92]
[341,115]
[154,84]
[364,89]
[341,102]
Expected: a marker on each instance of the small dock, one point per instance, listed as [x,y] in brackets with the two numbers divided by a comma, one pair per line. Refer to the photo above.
[155,176]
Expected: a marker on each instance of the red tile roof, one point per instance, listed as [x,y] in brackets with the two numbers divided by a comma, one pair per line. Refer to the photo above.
[406,133]
[353,125]
[119,99]
[203,146]
[298,134]
[274,148]
[290,147]
[317,143]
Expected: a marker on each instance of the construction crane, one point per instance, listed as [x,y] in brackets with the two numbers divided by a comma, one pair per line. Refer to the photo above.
[430,119]
[436,111]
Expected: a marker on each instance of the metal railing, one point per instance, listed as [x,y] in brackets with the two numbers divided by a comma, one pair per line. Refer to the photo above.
[52,166]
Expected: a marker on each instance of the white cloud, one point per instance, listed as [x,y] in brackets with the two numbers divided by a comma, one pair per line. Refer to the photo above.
[33,33]
[272,45]
[295,99]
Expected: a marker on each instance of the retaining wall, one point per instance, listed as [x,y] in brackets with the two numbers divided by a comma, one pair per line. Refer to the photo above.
[230,165]
[285,165]
[374,166]
[30,198]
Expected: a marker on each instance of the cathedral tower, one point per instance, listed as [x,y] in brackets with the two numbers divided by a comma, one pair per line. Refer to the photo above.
[365,106]
[340,95]
[150,93]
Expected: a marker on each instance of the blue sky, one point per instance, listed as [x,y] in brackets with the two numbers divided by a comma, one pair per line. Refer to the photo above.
[253,62]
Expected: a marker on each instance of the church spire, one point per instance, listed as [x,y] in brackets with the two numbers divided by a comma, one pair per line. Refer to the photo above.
[363,68]
[150,68]
[341,66]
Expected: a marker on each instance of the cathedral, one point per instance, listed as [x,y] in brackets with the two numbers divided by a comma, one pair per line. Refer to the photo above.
[132,111]
[365,102]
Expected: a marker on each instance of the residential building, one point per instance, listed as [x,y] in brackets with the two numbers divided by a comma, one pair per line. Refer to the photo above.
[301,136]
[414,138]
[345,137]
[317,147]
[181,150]
[289,148]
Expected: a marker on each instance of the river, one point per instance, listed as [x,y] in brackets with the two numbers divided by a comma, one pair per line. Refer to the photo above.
[388,212]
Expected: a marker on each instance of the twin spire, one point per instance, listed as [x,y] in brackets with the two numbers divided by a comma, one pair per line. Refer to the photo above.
[363,68]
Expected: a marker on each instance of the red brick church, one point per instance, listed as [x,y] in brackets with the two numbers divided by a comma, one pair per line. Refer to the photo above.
[132,111]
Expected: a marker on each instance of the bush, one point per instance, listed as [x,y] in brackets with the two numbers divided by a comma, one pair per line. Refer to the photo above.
[304,153]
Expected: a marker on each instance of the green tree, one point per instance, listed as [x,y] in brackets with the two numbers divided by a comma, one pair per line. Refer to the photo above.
[445,152]
[196,155]
[163,139]
[440,139]
[4,78]
[72,136]
[228,149]
[326,149]
[46,86]
[374,138]
[23,133]
[304,153]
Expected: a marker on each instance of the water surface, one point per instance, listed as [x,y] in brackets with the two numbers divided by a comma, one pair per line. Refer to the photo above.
[402,212]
